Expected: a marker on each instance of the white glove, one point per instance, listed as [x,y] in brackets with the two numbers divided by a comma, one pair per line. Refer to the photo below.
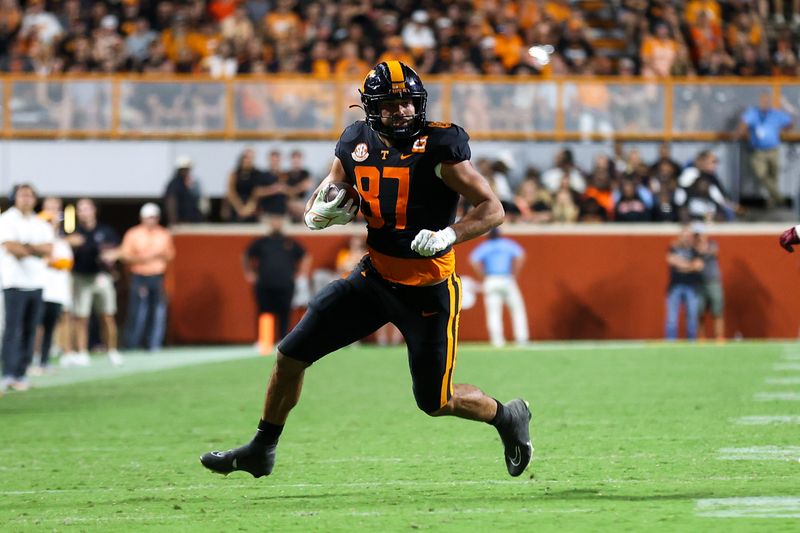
[428,243]
[323,214]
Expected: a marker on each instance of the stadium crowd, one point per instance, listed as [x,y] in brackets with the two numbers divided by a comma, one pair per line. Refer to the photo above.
[619,186]
[326,38]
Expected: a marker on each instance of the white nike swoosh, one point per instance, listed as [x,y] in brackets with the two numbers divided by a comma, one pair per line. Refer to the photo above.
[517,459]
[233,464]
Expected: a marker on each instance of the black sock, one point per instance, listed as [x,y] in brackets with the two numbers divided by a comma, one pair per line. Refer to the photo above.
[502,416]
[267,433]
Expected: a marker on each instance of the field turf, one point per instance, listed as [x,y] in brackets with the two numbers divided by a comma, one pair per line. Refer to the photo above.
[628,437]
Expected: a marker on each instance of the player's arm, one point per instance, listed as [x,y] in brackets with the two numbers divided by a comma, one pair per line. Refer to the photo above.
[487,211]
[320,213]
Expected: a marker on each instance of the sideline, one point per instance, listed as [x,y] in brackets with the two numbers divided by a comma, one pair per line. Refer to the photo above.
[141,362]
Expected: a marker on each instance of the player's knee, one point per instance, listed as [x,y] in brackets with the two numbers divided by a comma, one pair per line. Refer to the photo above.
[435,408]
[287,367]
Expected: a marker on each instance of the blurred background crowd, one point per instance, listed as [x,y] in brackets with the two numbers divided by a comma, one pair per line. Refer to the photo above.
[656,38]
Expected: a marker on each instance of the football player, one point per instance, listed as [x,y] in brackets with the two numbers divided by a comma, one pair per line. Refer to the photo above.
[409,173]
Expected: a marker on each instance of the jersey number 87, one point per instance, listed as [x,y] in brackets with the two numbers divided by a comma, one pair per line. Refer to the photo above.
[369,182]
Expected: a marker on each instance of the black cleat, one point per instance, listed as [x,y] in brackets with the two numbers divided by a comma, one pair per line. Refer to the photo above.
[516,437]
[253,460]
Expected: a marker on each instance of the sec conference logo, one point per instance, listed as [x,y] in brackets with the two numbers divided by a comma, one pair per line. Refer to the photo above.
[360,153]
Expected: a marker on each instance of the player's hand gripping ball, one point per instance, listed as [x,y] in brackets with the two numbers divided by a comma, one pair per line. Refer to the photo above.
[336,203]
[350,193]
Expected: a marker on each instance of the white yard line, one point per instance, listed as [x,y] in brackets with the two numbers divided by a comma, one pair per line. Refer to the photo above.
[760,453]
[786,366]
[751,507]
[783,381]
[144,362]
[776,396]
[766,420]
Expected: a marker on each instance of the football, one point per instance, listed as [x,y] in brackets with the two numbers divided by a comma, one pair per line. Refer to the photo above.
[350,194]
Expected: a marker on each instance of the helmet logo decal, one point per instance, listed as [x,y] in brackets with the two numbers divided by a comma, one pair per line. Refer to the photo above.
[360,153]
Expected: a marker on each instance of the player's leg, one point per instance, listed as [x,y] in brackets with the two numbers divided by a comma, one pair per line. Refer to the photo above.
[430,326]
[343,312]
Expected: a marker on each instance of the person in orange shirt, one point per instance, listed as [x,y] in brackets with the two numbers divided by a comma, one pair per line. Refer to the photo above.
[658,52]
[147,249]
[350,64]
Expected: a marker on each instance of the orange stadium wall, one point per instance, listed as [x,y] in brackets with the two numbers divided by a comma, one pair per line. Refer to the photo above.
[576,285]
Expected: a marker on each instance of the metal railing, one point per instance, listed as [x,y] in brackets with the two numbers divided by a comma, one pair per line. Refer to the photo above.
[305,107]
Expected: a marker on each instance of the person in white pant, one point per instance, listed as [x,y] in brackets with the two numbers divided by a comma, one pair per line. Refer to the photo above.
[498,261]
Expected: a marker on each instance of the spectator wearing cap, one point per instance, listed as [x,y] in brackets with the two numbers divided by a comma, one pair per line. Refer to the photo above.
[182,198]
[147,249]
[417,35]
[25,241]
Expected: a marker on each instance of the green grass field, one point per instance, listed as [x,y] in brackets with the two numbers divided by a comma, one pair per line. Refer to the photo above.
[628,437]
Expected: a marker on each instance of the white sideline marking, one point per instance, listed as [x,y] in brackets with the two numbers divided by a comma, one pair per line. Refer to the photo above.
[782,381]
[791,356]
[765,420]
[786,366]
[776,396]
[754,507]
[760,453]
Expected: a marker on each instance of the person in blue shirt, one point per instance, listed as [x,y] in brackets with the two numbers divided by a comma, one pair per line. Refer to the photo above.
[763,125]
[498,261]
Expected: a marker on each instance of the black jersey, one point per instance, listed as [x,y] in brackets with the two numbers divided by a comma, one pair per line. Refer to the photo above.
[401,188]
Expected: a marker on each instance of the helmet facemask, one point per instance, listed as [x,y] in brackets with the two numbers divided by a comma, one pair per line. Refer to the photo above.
[384,85]
[372,107]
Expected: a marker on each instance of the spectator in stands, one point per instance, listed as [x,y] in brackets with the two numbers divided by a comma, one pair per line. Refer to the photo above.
[498,261]
[711,295]
[271,264]
[630,207]
[705,167]
[532,201]
[240,196]
[57,293]
[40,25]
[763,125]
[565,209]
[658,52]
[272,190]
[298,182]
[94,247]
[665,165]
[600,190]
[417,34]
[553,178]
[183,199]
[147,249]
[25,242]
[685,278]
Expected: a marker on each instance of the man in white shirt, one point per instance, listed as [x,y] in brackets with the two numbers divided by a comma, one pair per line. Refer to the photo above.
[25,240]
